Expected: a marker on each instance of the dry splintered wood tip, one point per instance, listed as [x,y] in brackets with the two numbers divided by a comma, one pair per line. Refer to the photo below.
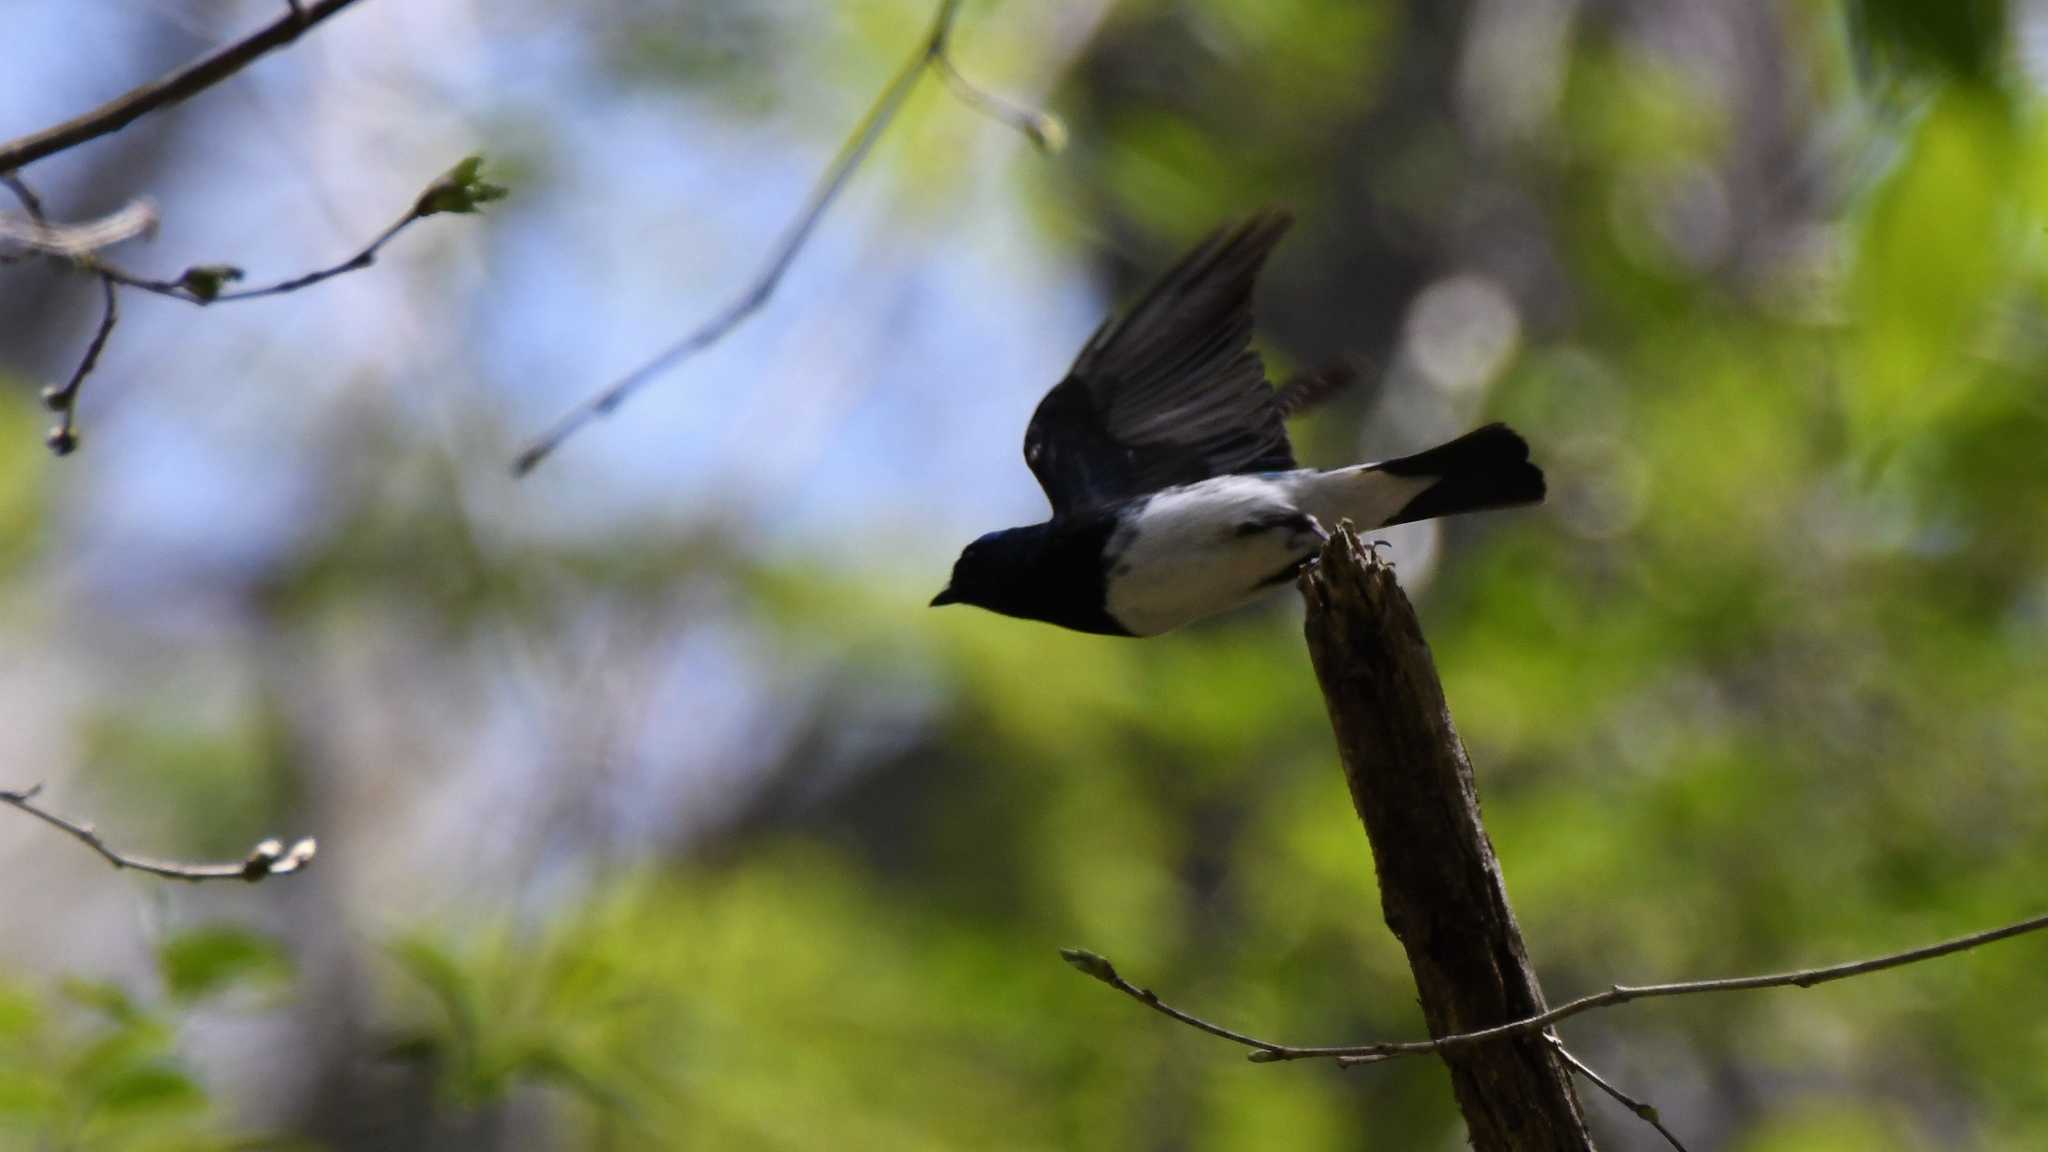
[1351,567]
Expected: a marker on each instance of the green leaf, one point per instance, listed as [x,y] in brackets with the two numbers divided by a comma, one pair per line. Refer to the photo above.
[108,999]
[549,1064]
[153,1087]
[1963,38]
[1092,963]
[22,492]
[452,989]
[203,961]
[204,281]
[103,1065]
[20,1015]
[460,189]
[1932,253]
[25,1097]
[418,1048]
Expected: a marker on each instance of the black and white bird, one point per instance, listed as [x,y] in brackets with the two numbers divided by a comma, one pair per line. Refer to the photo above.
[1174,491]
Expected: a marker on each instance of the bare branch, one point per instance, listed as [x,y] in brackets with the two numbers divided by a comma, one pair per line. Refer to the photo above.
[201,283]
[461,190]
[269,858]
[1099,967]
[30,202]
[1267,1051]
[362,259]
[931,54]
[1622,993]
[1644,1111]
[63,439]
[1442,892]
[181,85]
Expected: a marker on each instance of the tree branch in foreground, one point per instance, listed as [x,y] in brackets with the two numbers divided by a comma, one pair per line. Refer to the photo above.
[1043,130]
[269,858]
[1441,889]
[1268,1051]
[1363,655]
[183,84]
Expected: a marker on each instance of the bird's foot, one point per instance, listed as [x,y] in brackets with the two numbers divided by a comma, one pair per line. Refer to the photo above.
[1309,535]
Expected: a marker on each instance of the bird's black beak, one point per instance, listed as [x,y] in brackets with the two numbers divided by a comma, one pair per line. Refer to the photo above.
[946,597]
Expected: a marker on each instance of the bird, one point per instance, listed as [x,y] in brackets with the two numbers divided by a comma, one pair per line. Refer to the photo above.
[1174,490]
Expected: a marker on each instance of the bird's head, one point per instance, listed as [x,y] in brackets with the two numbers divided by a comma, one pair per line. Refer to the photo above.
[990,571]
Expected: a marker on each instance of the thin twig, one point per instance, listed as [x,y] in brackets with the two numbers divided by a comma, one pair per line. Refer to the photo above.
[1644,1111]
[1042,128]
[930,54]
[1622,994]
[63,439]
[1267,1051]
[1099,967]
[269,858]
[462,190]
[362,259]
[183,84]
[30,202]
[193,286]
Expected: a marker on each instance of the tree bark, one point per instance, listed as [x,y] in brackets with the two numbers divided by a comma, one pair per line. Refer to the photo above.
[1440,885]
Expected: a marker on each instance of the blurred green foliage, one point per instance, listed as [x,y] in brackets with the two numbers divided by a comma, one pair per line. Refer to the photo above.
[88,1065]
[21,482]
[1964,38]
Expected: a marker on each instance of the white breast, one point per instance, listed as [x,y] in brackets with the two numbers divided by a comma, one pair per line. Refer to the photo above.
[1199,549]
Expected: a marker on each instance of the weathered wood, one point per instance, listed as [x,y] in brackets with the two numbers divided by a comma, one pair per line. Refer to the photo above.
[1440,885]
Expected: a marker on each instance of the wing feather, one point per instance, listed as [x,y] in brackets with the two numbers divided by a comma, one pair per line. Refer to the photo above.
[1170,393]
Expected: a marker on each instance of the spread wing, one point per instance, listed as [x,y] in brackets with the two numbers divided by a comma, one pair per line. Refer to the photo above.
[1170,394]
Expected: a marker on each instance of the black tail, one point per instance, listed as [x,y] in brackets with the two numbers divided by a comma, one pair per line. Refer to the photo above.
[1486,468]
